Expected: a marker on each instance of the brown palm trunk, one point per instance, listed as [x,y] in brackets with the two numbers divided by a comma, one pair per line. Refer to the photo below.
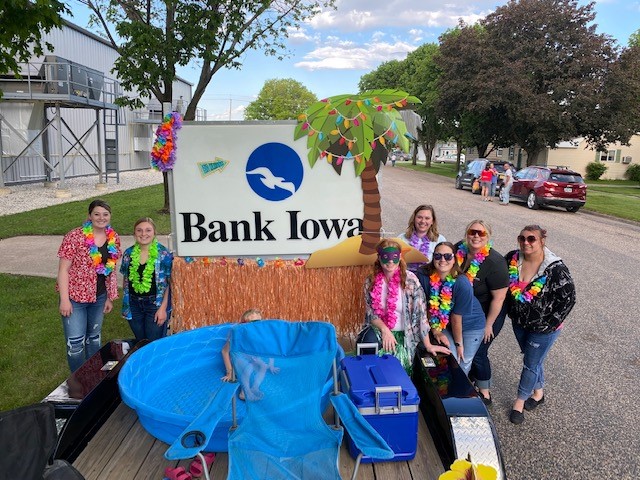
[372,219]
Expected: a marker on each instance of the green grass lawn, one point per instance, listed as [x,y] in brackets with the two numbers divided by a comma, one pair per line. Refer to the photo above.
[443,169]
[126,207]
[33,360]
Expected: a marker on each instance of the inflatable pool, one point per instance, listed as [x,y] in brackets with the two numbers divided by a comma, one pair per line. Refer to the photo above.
[170,381]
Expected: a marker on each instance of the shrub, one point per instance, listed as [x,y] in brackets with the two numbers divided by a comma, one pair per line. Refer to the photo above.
[633,172]
[595,170]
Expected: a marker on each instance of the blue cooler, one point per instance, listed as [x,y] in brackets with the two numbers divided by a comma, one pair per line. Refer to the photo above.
[383,393]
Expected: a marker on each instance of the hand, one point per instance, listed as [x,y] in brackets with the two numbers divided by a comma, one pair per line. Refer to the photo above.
[388,341]
[161,316]
[274,370]
[436,349]
[227,377]
[488,333]
[108,306]
[441,338]
[460,351]
[66,309]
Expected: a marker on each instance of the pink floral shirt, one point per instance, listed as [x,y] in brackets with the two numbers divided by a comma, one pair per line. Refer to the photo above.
[82,274]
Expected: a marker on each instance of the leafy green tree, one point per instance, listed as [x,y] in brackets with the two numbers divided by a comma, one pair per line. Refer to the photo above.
[634,39]
[357,129]
[387,75]
[23,23]
[153,37]
[280,99]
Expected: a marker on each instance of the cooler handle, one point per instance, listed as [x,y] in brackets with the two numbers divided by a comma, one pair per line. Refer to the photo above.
[397,390]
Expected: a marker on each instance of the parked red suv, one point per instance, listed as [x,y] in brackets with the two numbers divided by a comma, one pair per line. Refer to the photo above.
[555,186]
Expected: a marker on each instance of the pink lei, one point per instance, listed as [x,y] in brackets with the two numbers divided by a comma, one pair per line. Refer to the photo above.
[387,312]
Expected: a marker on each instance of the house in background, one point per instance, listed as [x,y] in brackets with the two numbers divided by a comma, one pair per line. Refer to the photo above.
[59,118]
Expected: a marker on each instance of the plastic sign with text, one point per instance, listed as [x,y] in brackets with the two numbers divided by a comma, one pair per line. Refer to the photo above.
[247,189]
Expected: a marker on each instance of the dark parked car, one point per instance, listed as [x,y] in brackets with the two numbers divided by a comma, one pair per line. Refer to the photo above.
[554,186]
[472,170]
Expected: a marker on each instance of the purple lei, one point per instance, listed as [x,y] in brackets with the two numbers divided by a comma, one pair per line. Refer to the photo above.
[422,247]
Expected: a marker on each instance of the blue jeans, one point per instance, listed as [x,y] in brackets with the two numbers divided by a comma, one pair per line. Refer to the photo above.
[492,191]
[535,347]
[481,367]
[142,323]
[82,331]
[471,341]
[505,192]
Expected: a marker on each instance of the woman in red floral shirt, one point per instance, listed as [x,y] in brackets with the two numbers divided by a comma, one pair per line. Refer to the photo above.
[87,282]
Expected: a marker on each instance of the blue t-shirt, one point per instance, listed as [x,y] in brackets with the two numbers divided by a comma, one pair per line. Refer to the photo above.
[466,304]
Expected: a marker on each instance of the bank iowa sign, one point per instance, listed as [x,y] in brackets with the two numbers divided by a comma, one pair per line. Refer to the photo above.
[246,189]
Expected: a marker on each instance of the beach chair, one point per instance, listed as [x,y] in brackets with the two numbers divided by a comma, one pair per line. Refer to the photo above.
[28,438]
[282,368]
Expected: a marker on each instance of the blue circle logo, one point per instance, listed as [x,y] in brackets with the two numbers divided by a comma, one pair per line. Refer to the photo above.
[274,171]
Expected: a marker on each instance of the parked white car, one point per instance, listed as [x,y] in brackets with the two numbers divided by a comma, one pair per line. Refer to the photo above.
[450,158]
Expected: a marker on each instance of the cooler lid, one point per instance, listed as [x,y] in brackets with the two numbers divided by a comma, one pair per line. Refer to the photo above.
[363,373]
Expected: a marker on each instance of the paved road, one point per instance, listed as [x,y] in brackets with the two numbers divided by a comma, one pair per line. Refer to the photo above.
[588,427]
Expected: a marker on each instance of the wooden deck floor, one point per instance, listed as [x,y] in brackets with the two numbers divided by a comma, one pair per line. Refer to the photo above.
[122,449]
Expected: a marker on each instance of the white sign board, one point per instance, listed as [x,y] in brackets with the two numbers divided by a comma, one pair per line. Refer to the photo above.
[246,189]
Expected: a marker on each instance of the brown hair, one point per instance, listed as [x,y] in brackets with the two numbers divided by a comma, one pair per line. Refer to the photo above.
[99,203]
[145,220]
[248,313]
[535,228]
[455,270]
[432,233]
[377,267]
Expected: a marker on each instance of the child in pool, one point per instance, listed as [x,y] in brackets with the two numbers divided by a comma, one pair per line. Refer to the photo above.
[253,365]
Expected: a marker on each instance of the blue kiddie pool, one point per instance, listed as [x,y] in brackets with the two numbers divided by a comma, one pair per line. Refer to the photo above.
[170,381]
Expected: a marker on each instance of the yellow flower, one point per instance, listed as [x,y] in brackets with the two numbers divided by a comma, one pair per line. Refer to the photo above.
[465,470]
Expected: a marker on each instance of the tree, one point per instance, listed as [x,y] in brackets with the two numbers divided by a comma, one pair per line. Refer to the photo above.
[357,129]
[23,23]
[387,75]
[153,37]
[280,99]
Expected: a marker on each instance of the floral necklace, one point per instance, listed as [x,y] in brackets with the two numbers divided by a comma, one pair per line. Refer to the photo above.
[478,258]
[143,284]
[383,312]
[422,247]
[94,251]
[440,300]
[514,285]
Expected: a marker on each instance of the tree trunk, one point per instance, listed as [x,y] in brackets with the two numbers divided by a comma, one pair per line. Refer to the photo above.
[372,219]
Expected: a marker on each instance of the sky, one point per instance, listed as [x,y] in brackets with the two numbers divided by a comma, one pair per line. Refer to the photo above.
[330,53]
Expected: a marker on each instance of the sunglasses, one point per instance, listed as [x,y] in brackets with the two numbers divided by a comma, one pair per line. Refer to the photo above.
[531,239]
[473,232]
[439,256]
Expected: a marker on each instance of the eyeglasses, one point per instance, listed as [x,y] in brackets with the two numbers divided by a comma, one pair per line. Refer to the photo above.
[531,239]
[473,232]
[439,256]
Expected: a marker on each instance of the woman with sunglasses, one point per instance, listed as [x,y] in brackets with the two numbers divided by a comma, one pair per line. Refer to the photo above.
[395,310]
[422,233]
[455,315]
[486,271]
[541,295]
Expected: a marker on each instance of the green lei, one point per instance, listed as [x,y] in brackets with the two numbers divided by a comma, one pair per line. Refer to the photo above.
[143,285]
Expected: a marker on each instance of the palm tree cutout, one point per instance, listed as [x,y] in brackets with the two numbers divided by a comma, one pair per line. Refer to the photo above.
[358,129]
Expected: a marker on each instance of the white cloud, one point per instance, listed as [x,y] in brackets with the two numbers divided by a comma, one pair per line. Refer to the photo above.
[348,56]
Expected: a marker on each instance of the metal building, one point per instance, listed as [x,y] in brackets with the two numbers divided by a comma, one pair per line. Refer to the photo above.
[59,119]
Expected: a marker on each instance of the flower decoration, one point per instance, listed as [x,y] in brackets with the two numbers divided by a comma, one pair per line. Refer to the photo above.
[94,252]
[467,470]
[298,262]
[189,259]
[241,262]
[163,153]
[523,296]
[478,258]
[142,283]
[223,261]
[206,260]
[440,295]
[260,262]
[386,313]
[278,263]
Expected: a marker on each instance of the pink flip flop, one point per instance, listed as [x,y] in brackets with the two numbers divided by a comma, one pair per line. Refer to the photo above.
[196,466]
[178,473]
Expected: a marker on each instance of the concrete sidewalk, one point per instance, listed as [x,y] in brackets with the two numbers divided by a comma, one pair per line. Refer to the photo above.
[37,255]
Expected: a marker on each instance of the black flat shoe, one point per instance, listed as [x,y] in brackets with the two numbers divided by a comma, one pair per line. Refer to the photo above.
[531,403]
[516,417]
[486,400]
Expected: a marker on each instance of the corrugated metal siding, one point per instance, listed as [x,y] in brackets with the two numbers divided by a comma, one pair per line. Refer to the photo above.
[80,47]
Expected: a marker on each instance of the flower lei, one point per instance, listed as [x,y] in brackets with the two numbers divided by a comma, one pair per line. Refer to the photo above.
[514,287]
[384,313]
[94,252]
[440,300]
[478,258]
[423,247]
[163,153]
[143,284]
